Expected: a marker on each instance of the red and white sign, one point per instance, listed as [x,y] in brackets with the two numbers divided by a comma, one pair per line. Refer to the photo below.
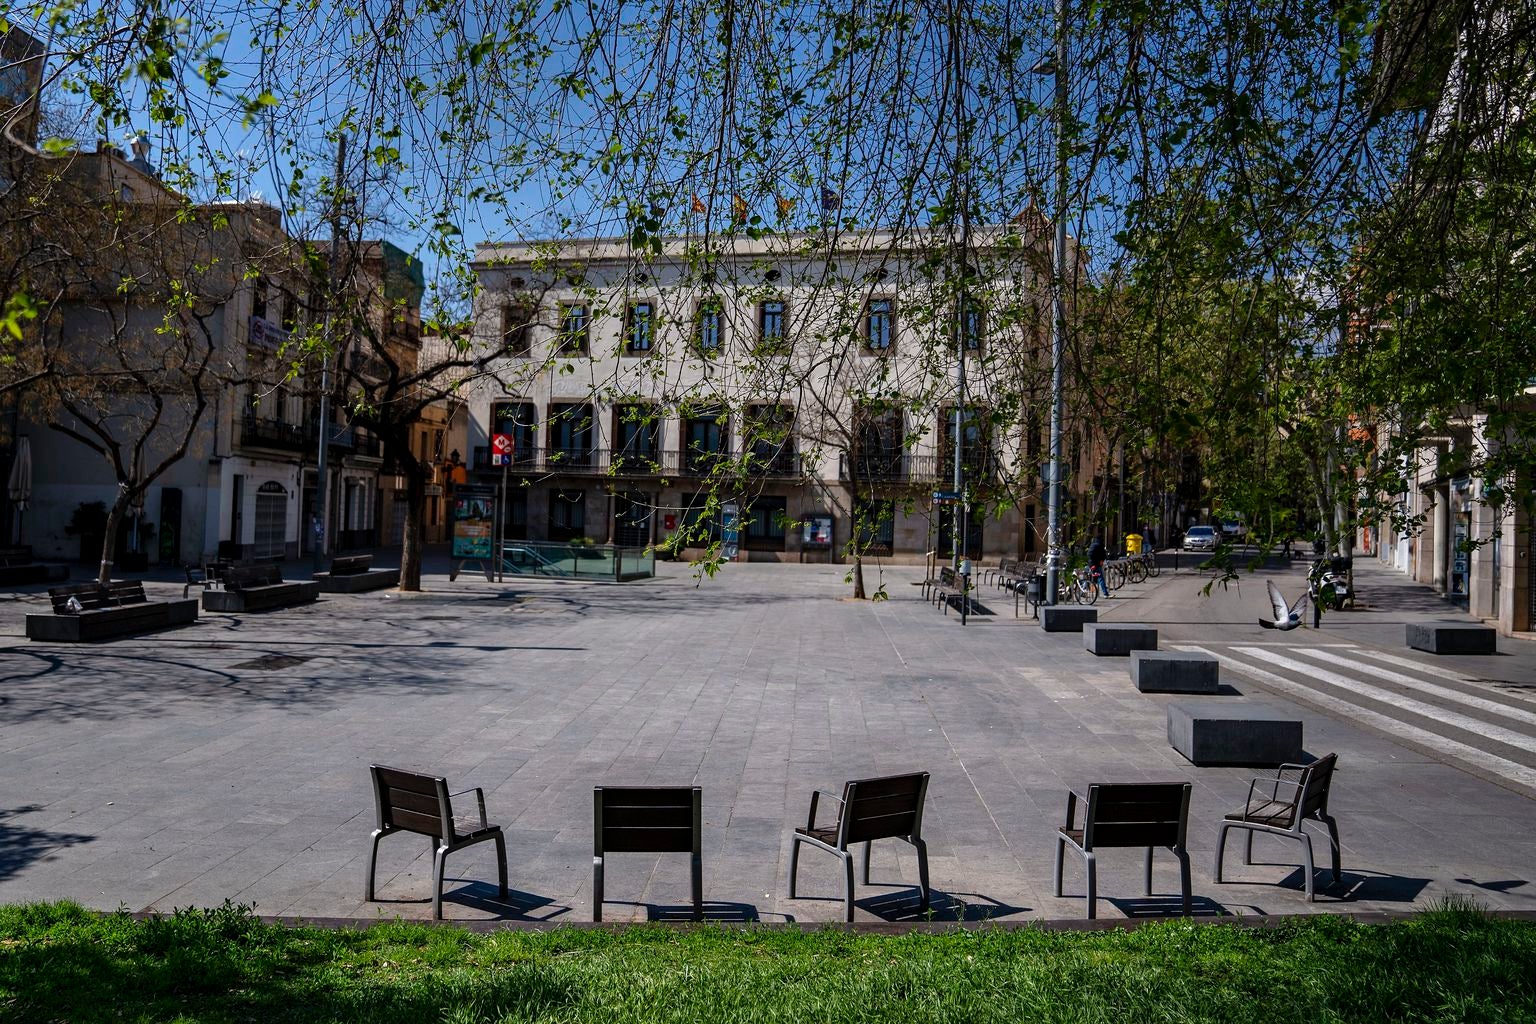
[501,449]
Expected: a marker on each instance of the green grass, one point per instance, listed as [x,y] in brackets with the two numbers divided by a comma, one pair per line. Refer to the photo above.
[59,962]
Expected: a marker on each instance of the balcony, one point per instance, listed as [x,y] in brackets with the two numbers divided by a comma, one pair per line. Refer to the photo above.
[262,432]
[892,466]
[774,463]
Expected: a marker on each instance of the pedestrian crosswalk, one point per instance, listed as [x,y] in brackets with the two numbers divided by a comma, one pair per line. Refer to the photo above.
[1462,720]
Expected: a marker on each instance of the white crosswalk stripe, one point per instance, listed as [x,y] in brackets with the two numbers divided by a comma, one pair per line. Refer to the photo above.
[1349,688]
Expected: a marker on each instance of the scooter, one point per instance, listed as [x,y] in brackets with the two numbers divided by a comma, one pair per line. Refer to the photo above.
[1328,584]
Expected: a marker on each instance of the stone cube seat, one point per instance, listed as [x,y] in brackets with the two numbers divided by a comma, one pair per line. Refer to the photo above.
[1175,672]
[1067,618]
[1234,732]
[1117,639]
[1452,638]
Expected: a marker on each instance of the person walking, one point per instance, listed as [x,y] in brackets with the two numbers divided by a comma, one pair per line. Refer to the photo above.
[1096,554]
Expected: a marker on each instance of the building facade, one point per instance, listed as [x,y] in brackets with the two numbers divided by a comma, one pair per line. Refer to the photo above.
[798,379]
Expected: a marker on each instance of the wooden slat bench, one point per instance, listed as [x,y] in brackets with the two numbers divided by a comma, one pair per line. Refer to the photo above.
[350,574]
[118,609]
[255,588]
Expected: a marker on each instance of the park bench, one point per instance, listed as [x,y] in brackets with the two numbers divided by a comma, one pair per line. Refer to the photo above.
[647,819]
[17,569]
[254,588]
[1127,815]
[870,809]
[351,574]
[421,804]
[118,609]
[1282,813]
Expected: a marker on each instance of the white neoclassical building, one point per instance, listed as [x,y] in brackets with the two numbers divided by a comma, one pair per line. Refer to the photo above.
[799,377]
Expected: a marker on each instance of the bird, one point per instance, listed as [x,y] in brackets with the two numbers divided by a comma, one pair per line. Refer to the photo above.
[1285,617]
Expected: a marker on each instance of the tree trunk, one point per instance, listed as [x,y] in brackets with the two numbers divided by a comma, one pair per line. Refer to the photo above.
[109,542]
[858,575]
[410,549]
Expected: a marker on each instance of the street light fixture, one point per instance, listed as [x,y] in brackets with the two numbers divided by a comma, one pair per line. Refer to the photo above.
[1056,67]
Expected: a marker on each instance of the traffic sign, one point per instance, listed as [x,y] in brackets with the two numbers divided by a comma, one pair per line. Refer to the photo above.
[501,449]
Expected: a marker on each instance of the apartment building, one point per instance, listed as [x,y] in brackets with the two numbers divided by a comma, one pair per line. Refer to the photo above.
[798,377]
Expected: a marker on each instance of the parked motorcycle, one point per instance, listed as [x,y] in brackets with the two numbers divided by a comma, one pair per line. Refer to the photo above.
[1328,586]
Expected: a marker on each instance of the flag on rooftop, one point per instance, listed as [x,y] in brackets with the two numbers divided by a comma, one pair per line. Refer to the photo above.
[786,206]
[830,200]
[739,207]
[698,205]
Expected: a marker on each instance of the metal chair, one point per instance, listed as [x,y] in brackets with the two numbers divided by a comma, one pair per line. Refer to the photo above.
[1283,814]
[1132,814]
[421,804]
[870,809]
[647,819]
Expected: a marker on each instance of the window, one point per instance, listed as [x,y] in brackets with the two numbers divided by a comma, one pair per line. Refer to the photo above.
[766,519]
[520,421]
[881,444]
[570,435]
[880,325]
[639,327]
[700,520]
[772,334]
[567,515]
[710,338]
[875,522]
[770,440]
[704,441]
[976,444]
[973,325]
[259,298]
[575,322]
[946,531]
[636,436]
[515,329]
[271,521]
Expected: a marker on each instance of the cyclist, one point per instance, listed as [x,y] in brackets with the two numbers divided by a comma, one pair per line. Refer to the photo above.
[1096,555]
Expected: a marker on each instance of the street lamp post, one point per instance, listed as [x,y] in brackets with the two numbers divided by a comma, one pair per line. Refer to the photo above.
[1057,68]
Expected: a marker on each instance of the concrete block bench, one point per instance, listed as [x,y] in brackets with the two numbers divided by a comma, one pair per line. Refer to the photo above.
[1067,618]
[1234,732]
[352,574]
[118,609]
[1452,638]
[1175,672]
[258,588]
[1114,639]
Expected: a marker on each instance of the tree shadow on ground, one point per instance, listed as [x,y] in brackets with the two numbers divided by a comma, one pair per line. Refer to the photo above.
[21,846]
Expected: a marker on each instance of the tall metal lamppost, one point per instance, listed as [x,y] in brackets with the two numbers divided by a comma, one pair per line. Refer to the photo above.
[1057,68]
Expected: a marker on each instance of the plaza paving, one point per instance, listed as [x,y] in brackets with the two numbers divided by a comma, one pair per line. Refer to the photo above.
[229,760]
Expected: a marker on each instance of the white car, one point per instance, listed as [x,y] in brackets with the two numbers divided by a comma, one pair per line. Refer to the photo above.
[1234,528]
[1201,538]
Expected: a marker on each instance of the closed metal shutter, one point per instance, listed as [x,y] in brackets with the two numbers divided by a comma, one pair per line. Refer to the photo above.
[271,520]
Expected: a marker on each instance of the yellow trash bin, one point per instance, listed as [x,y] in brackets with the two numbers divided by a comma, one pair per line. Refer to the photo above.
[1133,543]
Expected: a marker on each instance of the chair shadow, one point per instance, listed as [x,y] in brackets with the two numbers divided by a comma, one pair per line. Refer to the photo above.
[1353,886]
[714,911]
[901,905]
[484,896]
[1171,905]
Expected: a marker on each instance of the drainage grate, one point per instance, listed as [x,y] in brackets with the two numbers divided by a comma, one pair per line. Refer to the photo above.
[273,662]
